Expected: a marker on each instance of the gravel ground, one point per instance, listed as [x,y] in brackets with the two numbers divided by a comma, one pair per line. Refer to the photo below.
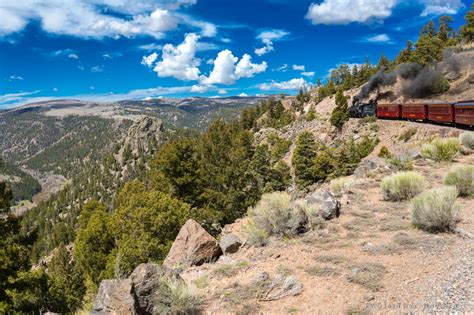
[455,293]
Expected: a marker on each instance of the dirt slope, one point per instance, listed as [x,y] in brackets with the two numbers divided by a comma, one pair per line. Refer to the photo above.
[403,269]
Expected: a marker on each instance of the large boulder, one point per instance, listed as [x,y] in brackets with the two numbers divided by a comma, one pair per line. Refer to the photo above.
[328,204]
[115,297]
[374,167]
[146,280]
[230,243]
[192,246]
[143,293]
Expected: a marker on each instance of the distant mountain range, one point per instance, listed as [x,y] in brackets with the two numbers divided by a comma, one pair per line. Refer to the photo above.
[56,137]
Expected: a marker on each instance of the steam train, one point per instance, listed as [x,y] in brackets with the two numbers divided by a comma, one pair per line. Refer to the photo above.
[456,114]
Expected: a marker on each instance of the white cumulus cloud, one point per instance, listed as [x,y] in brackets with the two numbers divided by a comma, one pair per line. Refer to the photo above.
[439,7]
[73,56]
[299,67]
[348,11]
[381,38]
[16,77]
[267,37]
[228,69]
[199,88]
[308,74]
[180,62]
[293,84]
[91,18]
[149,60]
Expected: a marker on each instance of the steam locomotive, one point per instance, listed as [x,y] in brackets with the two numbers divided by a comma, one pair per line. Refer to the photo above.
[459,113]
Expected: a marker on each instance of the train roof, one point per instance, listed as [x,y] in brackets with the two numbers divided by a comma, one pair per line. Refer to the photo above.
[465,103]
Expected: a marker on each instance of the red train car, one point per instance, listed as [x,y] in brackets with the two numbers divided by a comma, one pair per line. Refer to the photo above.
[464,113]
[441,112]
[415,111]
[388,110]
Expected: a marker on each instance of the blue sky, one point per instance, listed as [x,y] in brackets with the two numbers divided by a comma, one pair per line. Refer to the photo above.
[108,50]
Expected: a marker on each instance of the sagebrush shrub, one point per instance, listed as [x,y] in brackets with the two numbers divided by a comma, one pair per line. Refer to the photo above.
[312,212]
[255,234]
[436,209]
[340,186]
[441,149]
[407,134]
[402,161]
[403,185]
[175,297]
[463,178]
[275,214]
[384,153]
[467,139]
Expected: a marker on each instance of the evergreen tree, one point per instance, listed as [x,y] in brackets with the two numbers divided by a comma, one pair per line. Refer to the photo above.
[384,63]
[445,30]
[405,55]
[21,290]
[428,47]
[93,244]
[175,169]
[65,282]
[467,30]
[340,113]
[311,114]
[144,226]
[303,158]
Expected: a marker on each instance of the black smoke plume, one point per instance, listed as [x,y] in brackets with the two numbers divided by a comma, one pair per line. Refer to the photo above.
[416,81]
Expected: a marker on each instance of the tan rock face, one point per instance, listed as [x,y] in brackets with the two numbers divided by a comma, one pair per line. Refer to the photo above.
[192,246]
[115,297]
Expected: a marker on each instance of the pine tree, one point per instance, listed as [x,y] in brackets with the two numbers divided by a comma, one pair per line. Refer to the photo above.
[174,170]
[445,29]
[93,244]
[144,226]
[406,54]
[65,282]
[467,30]
[384,63]
[340,113]
[311,114]
[303,159]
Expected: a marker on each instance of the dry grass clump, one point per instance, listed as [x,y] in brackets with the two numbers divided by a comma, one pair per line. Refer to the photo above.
[436,209]
[441,150]
[463,178]
[402,161]
[404,240]
[340,186]
[229,270]
[331,259]
[367,274]
[403,185]
[407,135]
[175,297]
[322,271]
[274,214]
[467,139]
[312,212]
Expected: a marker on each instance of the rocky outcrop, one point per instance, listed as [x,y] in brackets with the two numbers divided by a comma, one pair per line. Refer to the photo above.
[146,281]
[115,297]
[146,133]
[192,246]
[328,204]
[374,167]
[230,243]
[136,295]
